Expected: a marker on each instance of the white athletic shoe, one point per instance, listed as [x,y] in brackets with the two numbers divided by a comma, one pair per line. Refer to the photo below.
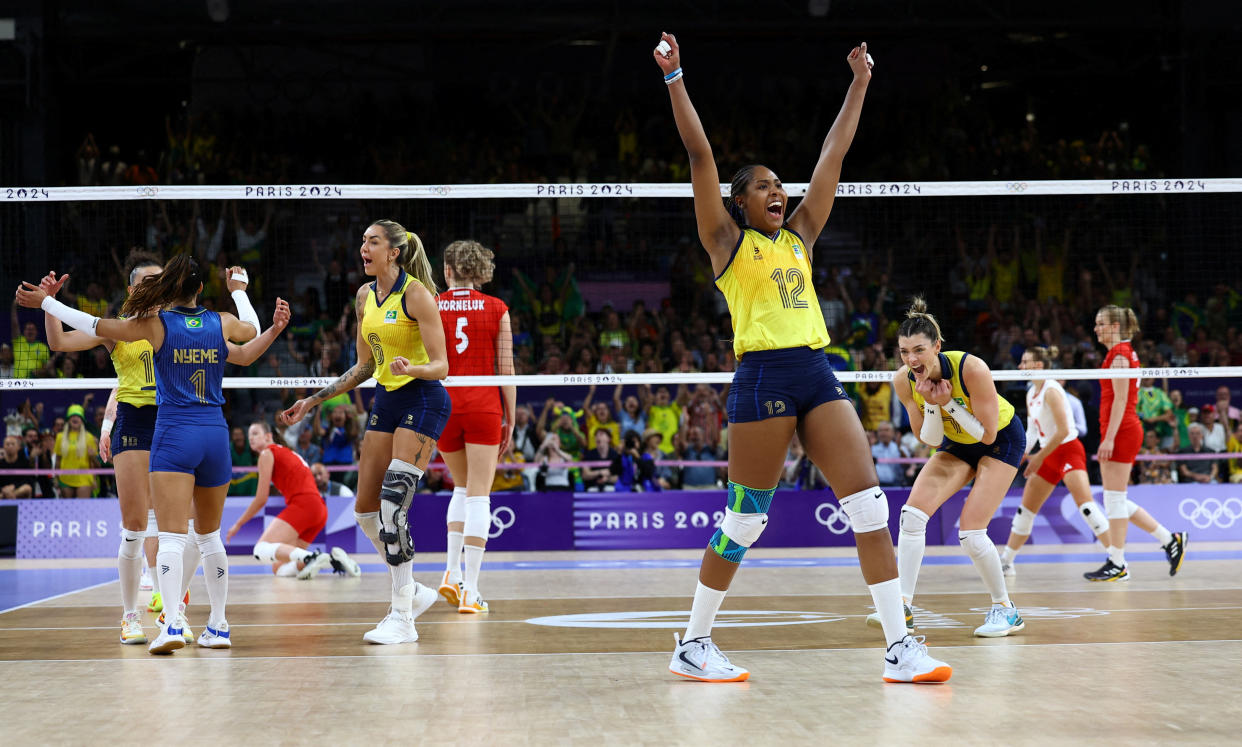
[217,637]
[168,641]
[424,597]
[700,659]
[131,629]
[145,583]
[908,661]
[472,603]
[395,628]
[1008,569]
[314,564]
[343,564]
[1001,622]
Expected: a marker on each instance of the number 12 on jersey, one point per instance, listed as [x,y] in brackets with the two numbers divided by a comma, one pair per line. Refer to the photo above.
[791,298]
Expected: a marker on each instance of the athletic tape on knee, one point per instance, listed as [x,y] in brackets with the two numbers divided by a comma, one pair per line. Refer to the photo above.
[746,515]
[976,542]
[456,507]
[1131,508]
[1023,522]
[478,510]
[131,544]
[1094,516]
[265,552]
[1115,504]
[867,510]
[153,529]
[210,543]
[746,500]
[913,522]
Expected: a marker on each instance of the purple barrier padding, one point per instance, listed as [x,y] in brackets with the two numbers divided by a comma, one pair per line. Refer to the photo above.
[520,521]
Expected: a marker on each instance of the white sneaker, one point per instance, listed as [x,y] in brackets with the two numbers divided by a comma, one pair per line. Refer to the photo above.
[700,659]
[424,597]
[395,628]
[145,583]
[168,641]
[131,629]
[908,661]
[1001,621]
[217,637]
[314,564]
[1008,569]
[343,564]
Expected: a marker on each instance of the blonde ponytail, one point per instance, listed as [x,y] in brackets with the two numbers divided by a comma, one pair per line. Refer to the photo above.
[412,257]
[919,322]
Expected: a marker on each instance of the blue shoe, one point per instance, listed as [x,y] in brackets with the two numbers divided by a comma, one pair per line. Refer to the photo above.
[1001,622]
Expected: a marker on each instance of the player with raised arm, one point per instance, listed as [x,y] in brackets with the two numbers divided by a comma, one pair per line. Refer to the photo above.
[761,256]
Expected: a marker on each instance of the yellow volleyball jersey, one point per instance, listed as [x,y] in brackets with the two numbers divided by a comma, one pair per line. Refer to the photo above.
[391,332]
[135,372]
[771,296]
[951,371]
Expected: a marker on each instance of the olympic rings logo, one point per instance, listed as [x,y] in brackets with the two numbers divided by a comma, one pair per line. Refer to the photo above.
[1015,187]
[147,190]
[1211,511]
[442,190]
[836,521]
[499,525]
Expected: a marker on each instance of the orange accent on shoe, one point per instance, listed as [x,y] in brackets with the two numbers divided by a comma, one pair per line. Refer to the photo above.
[740,678]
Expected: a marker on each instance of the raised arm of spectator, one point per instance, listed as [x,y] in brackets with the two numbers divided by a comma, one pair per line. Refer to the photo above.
[541,425]
[586,402]
[683,396]
[645,399]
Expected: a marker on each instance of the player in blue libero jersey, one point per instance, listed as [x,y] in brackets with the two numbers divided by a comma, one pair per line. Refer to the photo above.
[190,462]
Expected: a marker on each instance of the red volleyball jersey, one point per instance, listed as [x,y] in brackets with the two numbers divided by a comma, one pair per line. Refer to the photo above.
[471,324]
[291,474]
[1131,417]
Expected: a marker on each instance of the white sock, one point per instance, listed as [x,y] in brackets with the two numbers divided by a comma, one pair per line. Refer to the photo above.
[288,570]
[987,562]
[297,554]
[1162,535]
[1118,556]
[215,574]
[402,586]
[129,568]
[168,561]
[887,598]
[452,561]
[189,561]
[703,612]
[474,561]
[911,544]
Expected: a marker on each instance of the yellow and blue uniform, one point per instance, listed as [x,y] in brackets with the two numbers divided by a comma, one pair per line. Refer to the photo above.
[135,395]
[191,434]
[420,405]
[778,329]
[1010,443]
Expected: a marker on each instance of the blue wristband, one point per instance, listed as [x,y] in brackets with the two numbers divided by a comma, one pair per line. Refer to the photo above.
[673,75]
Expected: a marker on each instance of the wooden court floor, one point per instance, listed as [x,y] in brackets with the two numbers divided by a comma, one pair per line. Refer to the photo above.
[576,648]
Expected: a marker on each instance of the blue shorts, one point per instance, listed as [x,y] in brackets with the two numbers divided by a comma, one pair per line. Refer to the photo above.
[1009,446]
[776,383]
[193,440]
[135,426]
[422,406]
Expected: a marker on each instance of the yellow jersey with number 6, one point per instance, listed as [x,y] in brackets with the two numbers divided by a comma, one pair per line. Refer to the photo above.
[135,372]
[771,296]
[391,332]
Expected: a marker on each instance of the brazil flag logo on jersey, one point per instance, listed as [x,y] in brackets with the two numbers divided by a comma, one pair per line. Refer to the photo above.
[193,322]
[390,316]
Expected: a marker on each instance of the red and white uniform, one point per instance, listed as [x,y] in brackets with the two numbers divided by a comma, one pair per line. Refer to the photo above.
[1130,435]
[1069,455]
[471,324]
[305,509]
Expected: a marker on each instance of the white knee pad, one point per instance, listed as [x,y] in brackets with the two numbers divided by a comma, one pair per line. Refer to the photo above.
[867,510]
[456,507]
[478,510]
[913,522]
[976,543]
[1023,522]
[743,529]
[131,544]
[1115,504]
[1131,508]
[1094,516]
[153,529]
[265,551]
[210,543]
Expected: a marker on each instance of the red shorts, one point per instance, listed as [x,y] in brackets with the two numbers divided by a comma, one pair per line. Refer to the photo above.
[1128,442]
[306,514]
[468,427]
[1064,459]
